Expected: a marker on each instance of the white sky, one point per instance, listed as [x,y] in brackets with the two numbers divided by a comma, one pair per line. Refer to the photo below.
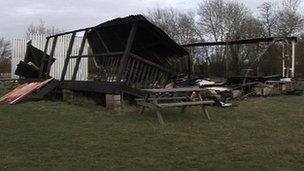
[16,15]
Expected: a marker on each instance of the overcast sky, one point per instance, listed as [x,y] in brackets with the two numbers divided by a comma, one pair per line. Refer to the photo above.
[15,15]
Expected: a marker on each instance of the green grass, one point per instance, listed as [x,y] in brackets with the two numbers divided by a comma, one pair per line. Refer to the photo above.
[260,134]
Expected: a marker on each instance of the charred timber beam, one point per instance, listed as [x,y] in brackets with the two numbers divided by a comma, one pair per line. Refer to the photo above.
[246,41]
[51,56]
[43,57]
[84,38]
[152,64]
[70,32]
[127,51]
[67,58]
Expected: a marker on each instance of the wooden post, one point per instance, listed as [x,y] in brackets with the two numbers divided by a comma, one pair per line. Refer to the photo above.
[203,106]
[158,113]
[43,58]
[67,58]
[51,55]
[145,100]
[84,38]
[126,52]
[206,112]
[283,61]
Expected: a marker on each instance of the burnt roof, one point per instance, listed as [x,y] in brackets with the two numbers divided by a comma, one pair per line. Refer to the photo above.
[150,41]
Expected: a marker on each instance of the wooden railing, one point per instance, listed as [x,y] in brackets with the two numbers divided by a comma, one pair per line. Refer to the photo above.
[141,73]
[137,73]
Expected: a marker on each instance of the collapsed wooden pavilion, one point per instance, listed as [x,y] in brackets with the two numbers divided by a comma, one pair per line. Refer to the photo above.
[129,53]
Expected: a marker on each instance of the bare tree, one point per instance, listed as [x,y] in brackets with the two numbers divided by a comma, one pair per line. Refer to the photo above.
[211,19]
[5,56]
[221,20]
[181,27]
[290,21]
[4,49]
[268,17]
[42,28]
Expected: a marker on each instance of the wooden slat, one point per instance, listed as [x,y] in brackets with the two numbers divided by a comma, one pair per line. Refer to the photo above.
[181,104]
[135,72]
[139,74]
[143,74]
[148,76]
[127,69]
[155,76]
[130,72]
[116,67]
[113,68]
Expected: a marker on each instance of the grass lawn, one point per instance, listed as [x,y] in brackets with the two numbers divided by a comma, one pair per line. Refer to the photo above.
[260,134]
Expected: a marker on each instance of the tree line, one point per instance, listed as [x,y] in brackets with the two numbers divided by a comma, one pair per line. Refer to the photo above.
[220,20]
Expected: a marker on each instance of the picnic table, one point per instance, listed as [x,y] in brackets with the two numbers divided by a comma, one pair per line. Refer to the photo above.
[157,99]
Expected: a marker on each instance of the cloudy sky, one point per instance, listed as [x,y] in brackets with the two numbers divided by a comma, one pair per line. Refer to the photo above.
[15,15]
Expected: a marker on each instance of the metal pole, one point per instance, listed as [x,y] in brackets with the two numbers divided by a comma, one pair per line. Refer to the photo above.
[283,61]
[293,58]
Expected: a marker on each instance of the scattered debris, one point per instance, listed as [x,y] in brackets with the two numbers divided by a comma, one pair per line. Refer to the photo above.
[31,66]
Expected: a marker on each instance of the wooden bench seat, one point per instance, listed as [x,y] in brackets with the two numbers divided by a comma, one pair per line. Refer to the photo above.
[183,104]
[154,100]
[161,99]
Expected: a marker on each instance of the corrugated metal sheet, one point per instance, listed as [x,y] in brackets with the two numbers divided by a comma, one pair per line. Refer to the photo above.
[19,49]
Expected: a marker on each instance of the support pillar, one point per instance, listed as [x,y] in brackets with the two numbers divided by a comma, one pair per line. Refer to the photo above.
[293,58]
[283,61]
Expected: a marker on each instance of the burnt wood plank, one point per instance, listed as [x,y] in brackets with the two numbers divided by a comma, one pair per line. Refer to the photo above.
[51,55]
[44,56]
[67,58]
[127,50]
[143,75]
[84,38]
